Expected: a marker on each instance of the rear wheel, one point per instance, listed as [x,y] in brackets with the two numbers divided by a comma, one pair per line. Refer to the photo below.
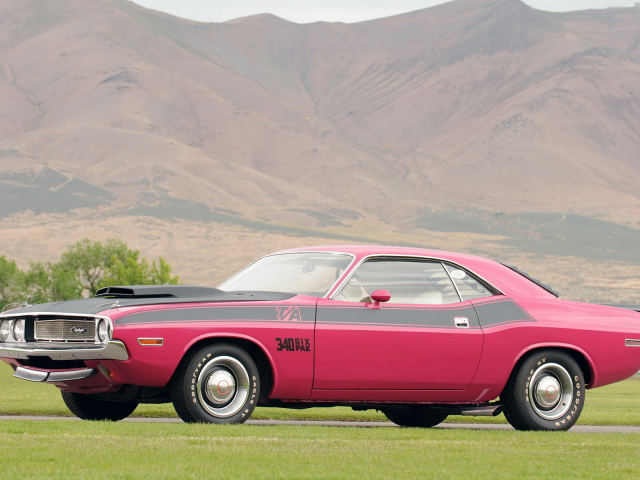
[424,417]
[217,384]
[546,392]
[88,408]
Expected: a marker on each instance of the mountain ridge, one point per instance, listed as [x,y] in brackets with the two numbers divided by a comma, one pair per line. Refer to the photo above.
[469,108]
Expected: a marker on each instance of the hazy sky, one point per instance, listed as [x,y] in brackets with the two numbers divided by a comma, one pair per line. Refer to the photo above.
[305,11]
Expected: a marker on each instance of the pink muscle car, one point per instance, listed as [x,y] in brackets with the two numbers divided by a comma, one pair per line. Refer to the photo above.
[418,334]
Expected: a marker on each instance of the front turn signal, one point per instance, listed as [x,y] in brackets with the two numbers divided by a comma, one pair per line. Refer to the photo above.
[150,341]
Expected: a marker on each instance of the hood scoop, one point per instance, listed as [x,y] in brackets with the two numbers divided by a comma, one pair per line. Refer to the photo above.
[158,291]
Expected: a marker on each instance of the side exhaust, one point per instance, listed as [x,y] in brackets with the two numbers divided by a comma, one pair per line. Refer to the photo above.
[489,411]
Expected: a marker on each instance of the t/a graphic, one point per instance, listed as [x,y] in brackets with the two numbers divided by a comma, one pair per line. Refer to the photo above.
[293,344]
[288,314]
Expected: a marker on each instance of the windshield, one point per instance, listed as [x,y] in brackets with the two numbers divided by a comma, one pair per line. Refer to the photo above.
[310,274]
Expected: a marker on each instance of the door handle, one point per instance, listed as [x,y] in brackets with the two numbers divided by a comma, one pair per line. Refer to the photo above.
[461,322]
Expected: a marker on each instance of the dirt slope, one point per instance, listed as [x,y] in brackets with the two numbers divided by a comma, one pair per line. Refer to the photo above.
[453,115]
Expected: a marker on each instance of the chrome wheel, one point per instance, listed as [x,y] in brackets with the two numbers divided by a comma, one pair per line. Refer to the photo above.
[551,391]
[223,386]
[545,391]
[219,383]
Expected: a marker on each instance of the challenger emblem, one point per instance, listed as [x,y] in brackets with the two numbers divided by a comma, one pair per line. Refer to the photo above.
[77,330]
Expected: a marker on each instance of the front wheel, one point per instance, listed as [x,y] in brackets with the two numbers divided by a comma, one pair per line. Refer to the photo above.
[217,384]
[546,392]
[89,408]
[424,417]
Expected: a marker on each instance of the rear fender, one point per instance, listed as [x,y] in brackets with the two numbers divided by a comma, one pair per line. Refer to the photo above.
[565,346]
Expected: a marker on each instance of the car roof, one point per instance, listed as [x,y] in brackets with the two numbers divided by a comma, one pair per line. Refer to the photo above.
[499,276]
[361,251]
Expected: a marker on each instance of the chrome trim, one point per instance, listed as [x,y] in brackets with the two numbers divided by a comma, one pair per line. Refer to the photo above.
[220,388]
[629,342]
[114,350]
[56,329]
[346,278]
[452,281]
[461,322]
[550,380]
[9,327]
[14,325]
[352,255]
[113,305]
[30,375]
[66,376]
[96,318]
[22,305]
[37,314]
[235,396]
[546,392]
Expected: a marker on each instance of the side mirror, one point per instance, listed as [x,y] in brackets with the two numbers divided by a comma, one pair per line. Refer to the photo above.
[377,297]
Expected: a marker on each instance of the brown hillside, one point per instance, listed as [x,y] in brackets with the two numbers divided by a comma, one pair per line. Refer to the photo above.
[482,116]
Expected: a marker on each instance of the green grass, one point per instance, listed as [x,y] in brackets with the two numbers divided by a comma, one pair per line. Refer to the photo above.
[617,404]
[93,450]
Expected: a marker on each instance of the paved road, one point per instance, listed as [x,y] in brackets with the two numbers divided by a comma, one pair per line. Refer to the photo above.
[467,426]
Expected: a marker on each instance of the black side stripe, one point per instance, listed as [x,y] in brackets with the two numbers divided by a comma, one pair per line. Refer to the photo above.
[222,314]
[501,312]
[415,325]
[484,315]
[400,317]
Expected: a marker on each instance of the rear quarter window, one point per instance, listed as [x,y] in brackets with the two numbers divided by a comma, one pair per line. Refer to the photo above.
[469,286]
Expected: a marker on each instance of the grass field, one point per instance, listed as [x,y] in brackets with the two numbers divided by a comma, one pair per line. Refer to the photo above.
[94,450]
[617,404]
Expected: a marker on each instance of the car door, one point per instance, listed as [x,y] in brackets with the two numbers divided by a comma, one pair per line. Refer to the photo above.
[424,338]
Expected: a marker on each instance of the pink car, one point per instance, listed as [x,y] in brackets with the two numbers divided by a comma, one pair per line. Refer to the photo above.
[418,334]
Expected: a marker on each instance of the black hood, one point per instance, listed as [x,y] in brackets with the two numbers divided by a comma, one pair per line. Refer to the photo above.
[162,294]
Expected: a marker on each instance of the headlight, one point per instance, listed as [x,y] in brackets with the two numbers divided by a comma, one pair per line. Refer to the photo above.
[5,330]
[18,330]
[103,331]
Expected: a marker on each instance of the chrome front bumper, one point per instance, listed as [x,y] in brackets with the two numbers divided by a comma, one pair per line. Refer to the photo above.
[114,350]
[52,377]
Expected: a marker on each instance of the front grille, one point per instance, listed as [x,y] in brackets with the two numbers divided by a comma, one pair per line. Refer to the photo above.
[65,330]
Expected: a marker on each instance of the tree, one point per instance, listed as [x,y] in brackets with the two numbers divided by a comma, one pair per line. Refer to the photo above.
[101,264]
[47,282]
[84,268]
[161,274]
[138,272]
[89,260]
[11,282]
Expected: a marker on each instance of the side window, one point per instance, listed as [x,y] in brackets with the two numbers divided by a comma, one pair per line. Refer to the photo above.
[468,286]
[407,282]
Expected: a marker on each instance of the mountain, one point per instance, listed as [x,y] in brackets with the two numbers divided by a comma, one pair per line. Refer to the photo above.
[481,124]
